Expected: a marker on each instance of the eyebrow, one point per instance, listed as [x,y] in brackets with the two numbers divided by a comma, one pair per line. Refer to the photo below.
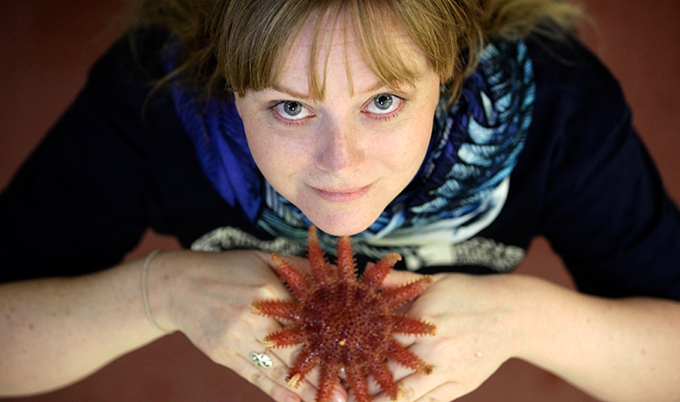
[282,89]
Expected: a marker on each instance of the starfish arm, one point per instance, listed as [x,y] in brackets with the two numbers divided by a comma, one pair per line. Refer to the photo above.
[383,376]
[356,376]
[374,274]
[407,325]
[322,272]
[395,297]
[327,379]
[403,356]
[299,283]
[280,309]
[346,263]
[288,336]
[303,364]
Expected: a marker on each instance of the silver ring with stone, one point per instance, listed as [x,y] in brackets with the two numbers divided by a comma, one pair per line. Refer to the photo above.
[261,360]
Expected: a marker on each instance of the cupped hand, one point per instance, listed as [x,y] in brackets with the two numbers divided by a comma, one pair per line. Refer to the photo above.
[479,327]
[208,297]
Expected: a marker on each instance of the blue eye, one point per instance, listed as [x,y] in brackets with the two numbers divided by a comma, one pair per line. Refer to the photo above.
[384,104]
[291,110]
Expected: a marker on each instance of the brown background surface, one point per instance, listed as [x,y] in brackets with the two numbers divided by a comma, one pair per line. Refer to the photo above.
[46,47]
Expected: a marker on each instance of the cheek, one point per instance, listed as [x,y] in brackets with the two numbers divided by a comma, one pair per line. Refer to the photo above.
[277,155]
[258,133]
[262,146]
[410,146]
[420,131]
[257,142]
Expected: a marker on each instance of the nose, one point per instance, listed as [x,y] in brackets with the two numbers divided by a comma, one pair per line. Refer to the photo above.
[339,151]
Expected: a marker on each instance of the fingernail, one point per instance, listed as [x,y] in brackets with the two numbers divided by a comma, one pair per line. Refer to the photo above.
[338,394]
[291,398]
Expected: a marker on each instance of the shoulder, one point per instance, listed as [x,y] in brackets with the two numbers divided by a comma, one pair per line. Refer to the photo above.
[595,191]
[130,68]
[139,51]
[579,104]
[567,72]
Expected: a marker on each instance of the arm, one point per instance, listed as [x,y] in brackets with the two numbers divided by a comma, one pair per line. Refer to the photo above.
[615,349]
[622,350]
[56,331]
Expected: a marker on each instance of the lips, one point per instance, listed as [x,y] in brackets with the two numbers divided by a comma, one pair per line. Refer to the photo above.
[341,196]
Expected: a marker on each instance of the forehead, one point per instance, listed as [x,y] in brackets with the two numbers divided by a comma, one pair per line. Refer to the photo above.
[336,50]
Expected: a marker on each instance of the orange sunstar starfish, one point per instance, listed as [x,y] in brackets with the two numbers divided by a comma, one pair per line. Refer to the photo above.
[345,323]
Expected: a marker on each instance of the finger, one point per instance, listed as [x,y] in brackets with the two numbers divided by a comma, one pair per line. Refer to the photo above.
[398,373]
[415,345]
[281,360]
[258,377]
[443,393]
[311,382]
[417,387]
[284,355]
[411,387]
[273,380]
[396,278]
[300,263]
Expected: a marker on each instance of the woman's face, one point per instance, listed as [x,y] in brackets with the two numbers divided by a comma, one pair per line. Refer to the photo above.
[341,160]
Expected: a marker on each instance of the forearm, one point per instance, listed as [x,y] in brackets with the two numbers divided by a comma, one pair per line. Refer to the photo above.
[56,331]
[615,349]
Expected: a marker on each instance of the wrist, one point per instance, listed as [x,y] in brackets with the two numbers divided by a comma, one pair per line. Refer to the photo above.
[145,293]
[542,310]
[521,311]
[518,293]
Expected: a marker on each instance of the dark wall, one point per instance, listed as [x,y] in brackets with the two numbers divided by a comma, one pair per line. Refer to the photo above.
[47,47]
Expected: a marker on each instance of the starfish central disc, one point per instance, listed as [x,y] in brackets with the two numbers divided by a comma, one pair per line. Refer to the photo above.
[341,315]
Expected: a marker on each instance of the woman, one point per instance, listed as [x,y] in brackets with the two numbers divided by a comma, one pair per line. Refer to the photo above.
[352,147]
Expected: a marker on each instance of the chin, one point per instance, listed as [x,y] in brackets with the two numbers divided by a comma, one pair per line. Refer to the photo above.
[342,223]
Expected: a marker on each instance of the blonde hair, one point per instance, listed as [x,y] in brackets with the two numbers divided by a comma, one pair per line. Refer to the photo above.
[237,45]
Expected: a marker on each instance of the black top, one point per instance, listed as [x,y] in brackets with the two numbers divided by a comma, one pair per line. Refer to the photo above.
[120,161]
